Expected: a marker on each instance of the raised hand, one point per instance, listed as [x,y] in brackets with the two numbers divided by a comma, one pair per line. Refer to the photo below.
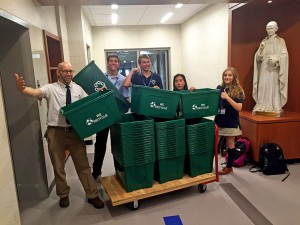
[191,89]
[20,82]
[224,95]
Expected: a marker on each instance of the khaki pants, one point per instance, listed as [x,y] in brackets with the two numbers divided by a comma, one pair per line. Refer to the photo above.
[58,141]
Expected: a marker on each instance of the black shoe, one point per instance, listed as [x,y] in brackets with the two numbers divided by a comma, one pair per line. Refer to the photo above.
[64,202]
[96,202]
[223,152]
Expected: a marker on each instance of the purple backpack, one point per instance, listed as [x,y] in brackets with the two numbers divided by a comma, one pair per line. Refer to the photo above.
[242,150]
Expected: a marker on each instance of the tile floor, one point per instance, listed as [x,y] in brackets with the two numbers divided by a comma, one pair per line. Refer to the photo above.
[242,198]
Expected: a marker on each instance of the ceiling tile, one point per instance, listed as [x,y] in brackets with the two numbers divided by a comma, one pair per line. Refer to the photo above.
[139,14]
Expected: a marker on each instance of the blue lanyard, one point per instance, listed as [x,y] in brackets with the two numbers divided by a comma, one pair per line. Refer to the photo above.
[146,78]
[110,79]
[116,81]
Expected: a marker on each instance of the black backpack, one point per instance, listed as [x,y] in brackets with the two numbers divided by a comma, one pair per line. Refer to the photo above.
[271,160]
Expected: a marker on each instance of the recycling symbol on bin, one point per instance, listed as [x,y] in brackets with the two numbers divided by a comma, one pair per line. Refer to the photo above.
[98,84]
[194,107]
[89,121]
[152,104]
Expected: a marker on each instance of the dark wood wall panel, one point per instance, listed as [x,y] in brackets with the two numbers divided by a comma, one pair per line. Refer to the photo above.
[248,27]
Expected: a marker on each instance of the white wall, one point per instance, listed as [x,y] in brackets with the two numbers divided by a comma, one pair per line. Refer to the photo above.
[132,37]
[198,48]
[32,12]
[9,211]
[64,33]
[205,46]
[75,37]
[87,33]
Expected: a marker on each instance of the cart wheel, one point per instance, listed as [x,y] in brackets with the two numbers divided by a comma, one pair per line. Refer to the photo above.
[134,205]
[202,188]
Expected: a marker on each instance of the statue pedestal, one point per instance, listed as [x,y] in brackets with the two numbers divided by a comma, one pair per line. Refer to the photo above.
[281,130]
[270,114]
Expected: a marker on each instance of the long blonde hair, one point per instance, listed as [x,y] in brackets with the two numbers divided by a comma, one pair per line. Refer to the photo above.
[235,89]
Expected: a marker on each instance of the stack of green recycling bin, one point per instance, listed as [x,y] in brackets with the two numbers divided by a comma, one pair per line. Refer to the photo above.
[152,142]
[200,132]
[133,148]
[186,143]
[162,105]
[170,149]
[200,136]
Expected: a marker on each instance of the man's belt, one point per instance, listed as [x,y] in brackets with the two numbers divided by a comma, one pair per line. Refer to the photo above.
[66,129]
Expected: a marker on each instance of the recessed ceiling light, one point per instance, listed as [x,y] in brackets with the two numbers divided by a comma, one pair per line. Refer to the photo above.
[166,17]
[178,5]
[269,1]
[114,6]
[114,18]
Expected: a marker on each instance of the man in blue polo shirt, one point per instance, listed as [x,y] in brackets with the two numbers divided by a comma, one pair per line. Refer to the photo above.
[113,63]
[143,75]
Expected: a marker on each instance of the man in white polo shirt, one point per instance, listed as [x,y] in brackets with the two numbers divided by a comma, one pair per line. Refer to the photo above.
[60,135]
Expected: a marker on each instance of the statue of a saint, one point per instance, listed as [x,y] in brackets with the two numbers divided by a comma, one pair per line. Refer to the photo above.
[270,79]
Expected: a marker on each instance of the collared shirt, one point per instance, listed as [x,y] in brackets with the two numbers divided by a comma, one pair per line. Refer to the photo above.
[55,94]
[118,82]
[151,81]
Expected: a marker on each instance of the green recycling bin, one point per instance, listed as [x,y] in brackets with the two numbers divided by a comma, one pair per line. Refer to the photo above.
[154,102]
[90,78]
[92,113]
[199,103]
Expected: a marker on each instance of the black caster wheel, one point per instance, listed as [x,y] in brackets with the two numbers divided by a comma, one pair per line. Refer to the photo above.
[134,205]
[202,188]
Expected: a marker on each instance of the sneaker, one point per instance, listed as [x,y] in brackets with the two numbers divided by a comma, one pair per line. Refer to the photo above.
[96,202]
[64,202]
[225,171]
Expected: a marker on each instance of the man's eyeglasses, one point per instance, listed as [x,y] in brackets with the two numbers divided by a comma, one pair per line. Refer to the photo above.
[67,71]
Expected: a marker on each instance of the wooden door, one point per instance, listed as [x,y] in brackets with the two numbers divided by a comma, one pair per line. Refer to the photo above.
[54,54]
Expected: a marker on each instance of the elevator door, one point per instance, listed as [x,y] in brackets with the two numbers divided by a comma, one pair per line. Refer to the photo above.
[22,113]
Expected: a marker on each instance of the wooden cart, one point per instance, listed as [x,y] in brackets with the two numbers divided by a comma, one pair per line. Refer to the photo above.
[119,196]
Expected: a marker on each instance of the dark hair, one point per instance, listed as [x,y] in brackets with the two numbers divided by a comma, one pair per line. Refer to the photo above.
[112,56]
[185,83]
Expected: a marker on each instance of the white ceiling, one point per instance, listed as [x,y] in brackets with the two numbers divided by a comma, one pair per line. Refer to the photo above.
[100,15]
[138,12]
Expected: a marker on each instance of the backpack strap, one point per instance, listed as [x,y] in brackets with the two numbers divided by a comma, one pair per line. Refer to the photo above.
[286,176]
[259,170]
